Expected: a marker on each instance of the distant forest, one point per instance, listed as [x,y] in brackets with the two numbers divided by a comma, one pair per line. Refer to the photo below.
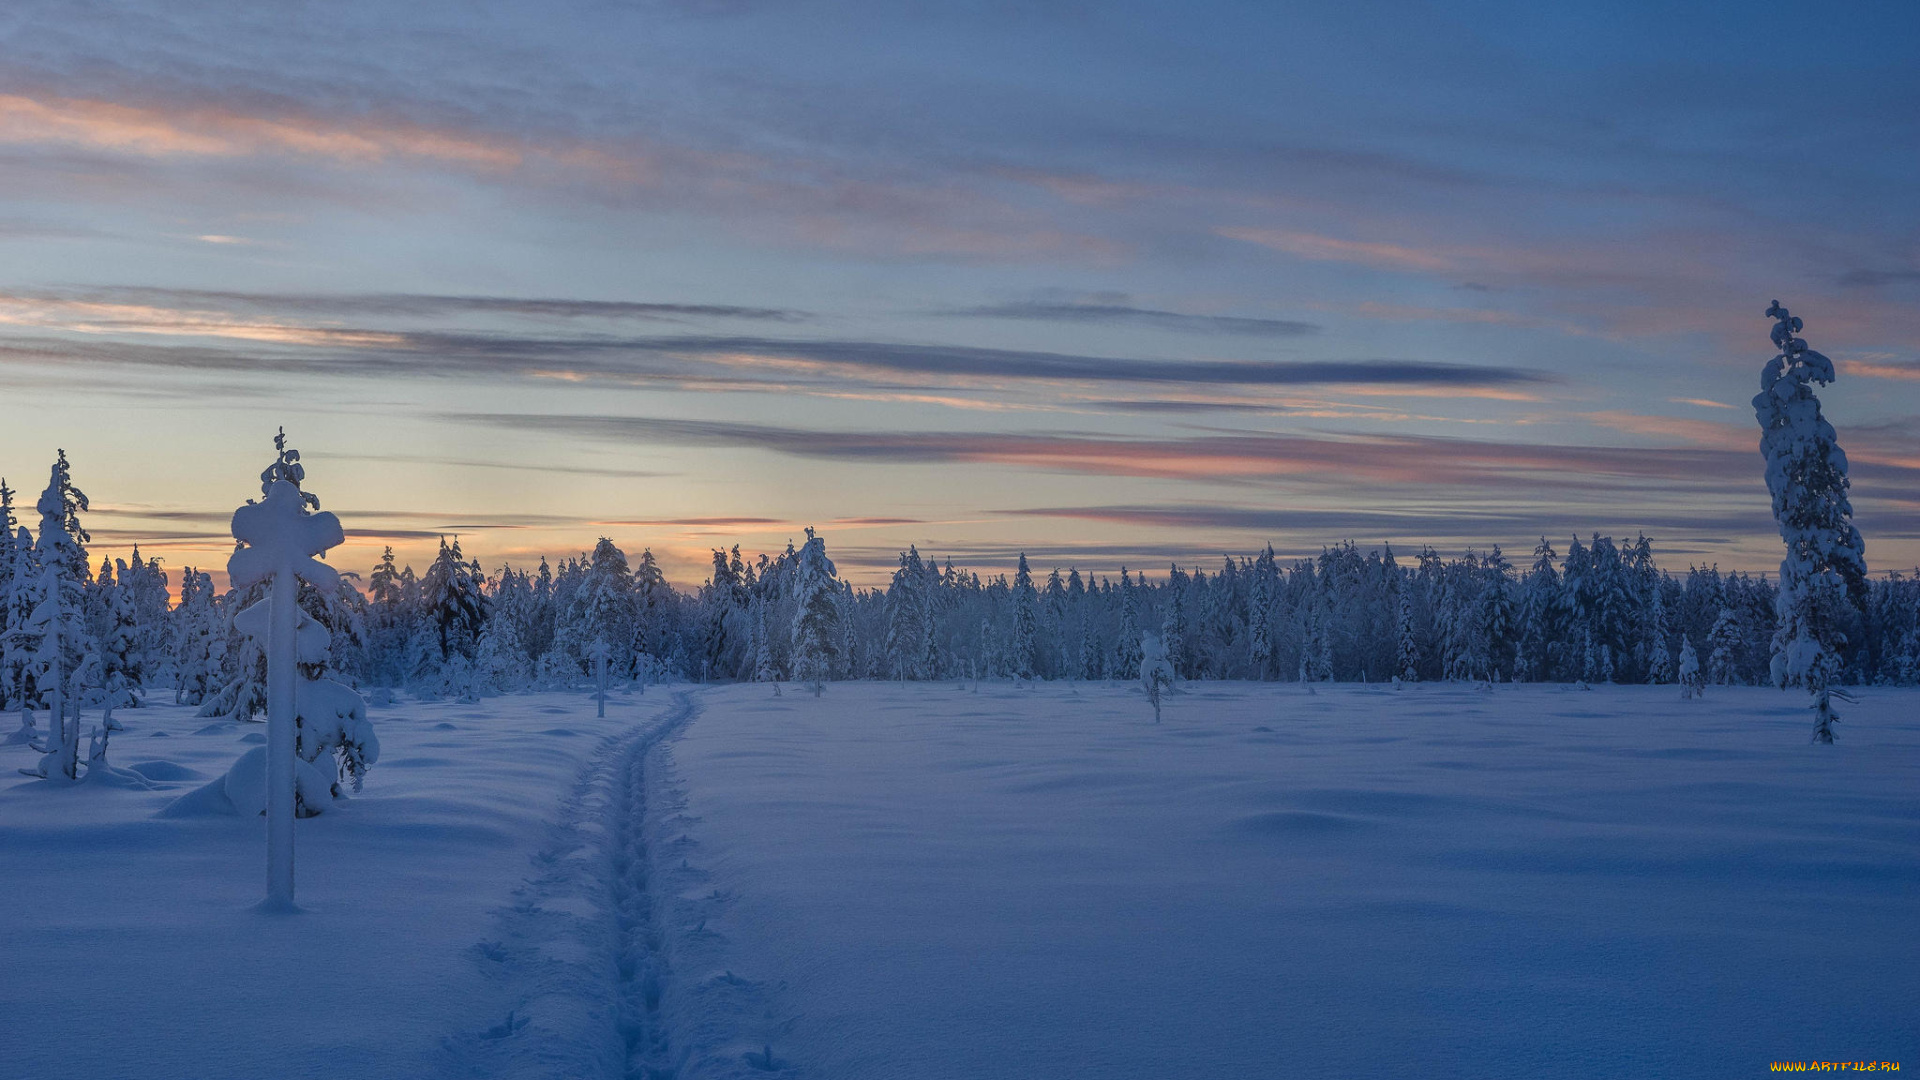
[1600,612]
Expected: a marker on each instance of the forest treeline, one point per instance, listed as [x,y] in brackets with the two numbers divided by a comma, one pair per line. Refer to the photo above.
[1599,611]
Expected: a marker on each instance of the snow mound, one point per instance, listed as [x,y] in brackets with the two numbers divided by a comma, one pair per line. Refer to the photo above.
[246,784]
[164,771]
[101,774]
[208,800]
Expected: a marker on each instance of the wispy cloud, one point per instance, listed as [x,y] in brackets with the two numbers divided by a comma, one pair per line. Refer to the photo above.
[1333,249]
[1474,525]
[1136,316]
[208,131]
[688,358]
[1875,278]
[1272,458]
[363,305]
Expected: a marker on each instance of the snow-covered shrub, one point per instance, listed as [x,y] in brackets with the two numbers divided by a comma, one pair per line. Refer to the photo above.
[1690,685]
[333,717]
[1156,672]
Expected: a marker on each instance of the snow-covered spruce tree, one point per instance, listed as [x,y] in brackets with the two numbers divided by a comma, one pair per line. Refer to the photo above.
[904,600]
[120,660]
[146,585]
[1026,623]
[241,692]
[1092,664]
[934,663]
[1127,645]
[1174,630]
[601,606]
[1542,618]
[764,668]
[57,623]
[15,566]
[1407,648]
[1689,669]
[1823,577]
[1260,597]
[816,617]
[1495,632]
[1659,660]
[454,601]
[200,640]
[1723,645]
[500,659]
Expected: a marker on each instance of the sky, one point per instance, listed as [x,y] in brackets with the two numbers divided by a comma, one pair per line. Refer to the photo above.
[1111,284]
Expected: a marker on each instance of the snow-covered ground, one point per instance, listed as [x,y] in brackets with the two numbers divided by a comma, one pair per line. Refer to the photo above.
[1438,882]
[930,882]
[127,947]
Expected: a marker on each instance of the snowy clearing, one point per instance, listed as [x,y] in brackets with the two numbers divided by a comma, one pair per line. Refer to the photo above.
[919,881]
[926,881]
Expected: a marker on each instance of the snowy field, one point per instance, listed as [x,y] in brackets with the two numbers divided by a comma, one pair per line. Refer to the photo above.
[929,882]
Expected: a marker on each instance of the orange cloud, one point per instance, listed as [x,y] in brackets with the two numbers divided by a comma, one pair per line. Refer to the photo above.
[1699,432]
[1331,249]
[210,132]
[1868,370]
[97,317]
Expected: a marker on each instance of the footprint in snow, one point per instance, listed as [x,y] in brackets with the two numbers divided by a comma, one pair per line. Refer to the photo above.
[444,726]
[764,1060]
[504,1028]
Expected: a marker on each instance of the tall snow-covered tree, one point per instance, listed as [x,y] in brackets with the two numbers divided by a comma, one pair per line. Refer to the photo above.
[765,669]
[1496,632]
[1126,657]
[1022,654]
[57,622]
[1261,653]
[12,656]
[1659,659]
[904,600]
[1174,630]
[1723,645]
[200,640]
[1407,647]
[602,607]
[1823,577]
[455,601]
[120,666]
[816,617]
[1540,653]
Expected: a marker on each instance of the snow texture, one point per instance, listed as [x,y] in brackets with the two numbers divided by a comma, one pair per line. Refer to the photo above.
[1031,880]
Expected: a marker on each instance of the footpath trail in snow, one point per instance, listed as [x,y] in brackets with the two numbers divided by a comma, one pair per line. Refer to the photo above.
[923,881]
[579,956]
[129,941]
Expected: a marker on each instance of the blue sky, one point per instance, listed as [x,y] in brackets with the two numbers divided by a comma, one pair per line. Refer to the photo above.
[1114,283]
